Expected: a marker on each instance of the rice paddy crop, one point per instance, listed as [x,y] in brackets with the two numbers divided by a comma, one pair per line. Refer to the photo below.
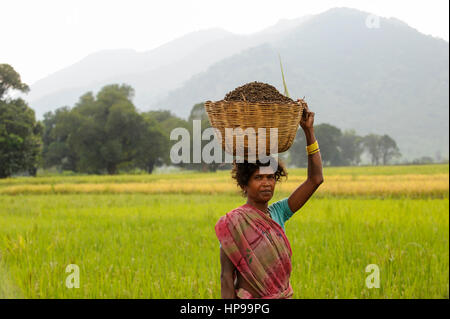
[136,236]
[413,185]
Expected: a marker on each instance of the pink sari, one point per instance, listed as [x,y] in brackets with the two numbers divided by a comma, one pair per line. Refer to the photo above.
[259,249]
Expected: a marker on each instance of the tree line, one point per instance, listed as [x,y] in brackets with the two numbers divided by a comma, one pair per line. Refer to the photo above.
[106,134]
[345,148]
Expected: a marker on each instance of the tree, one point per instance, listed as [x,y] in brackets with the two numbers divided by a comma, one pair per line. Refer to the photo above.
[107,129]
[371,143]
[166,120]
[388,149]
[153,147]
[20,138]
[10,79]
[20,133]
[423,160]
[56,151]
[297,152]
[381,148]
[104,133]
[328,137]
[166,123]
[351,146]
[198,112]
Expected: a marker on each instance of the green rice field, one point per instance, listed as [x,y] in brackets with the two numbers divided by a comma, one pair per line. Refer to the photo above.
[152,236]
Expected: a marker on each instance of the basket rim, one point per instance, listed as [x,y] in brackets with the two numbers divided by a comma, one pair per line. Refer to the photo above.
[250,103]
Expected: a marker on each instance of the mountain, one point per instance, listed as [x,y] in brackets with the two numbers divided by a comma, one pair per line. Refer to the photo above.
[91,73]
[109,63]
[385,78]
[153,73]
[389,79]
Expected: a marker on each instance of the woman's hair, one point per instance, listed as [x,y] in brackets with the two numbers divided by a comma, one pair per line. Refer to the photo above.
[242,172]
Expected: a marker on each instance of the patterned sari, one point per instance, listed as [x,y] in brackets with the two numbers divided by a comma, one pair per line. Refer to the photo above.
[259,249]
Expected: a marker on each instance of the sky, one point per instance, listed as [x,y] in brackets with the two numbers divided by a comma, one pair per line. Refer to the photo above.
[42,37]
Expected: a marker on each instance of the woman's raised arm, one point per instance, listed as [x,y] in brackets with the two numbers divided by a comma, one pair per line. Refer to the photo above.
[315,177]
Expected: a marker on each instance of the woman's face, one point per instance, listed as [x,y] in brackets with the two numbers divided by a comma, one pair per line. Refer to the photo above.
[260,187]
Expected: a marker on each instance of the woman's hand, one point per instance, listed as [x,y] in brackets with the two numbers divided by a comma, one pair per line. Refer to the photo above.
[307,120]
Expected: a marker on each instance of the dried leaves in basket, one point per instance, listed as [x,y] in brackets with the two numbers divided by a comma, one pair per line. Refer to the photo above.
[257,92]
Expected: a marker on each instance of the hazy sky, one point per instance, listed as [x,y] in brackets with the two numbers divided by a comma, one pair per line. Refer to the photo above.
[41,37]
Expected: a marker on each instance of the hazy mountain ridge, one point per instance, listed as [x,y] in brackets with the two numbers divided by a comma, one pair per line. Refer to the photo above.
[105,64]
[391,79]
[152,73]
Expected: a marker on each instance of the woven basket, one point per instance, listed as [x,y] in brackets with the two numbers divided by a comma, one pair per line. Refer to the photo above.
[234,114]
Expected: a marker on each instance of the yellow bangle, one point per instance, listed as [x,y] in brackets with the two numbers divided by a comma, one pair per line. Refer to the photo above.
[314,152]
[312,147]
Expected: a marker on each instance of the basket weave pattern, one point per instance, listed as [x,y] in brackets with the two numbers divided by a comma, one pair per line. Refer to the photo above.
[234,114]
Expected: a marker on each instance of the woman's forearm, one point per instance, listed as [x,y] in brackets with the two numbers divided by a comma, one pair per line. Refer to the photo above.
[314,160]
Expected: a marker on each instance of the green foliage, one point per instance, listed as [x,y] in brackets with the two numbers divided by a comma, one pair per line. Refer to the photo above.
[56,150]
[154,149]
[388,149]
[351,147]
[328,137]
[198,112]
[297,152]
[20,134]
[372,144]
[423,160]
[344,149]
[381,148]
[101,134]
[164,122]
[10,79]
[167,121]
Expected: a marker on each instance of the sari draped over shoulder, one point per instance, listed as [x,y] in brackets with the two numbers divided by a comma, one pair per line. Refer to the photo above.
[260,251]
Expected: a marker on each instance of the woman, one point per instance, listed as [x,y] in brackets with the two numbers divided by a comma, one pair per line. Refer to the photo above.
[255,254]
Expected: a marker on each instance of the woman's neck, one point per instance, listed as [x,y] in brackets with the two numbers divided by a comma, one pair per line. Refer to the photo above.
[262,206]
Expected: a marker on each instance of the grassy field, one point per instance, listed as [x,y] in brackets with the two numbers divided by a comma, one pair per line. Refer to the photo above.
[136,237]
